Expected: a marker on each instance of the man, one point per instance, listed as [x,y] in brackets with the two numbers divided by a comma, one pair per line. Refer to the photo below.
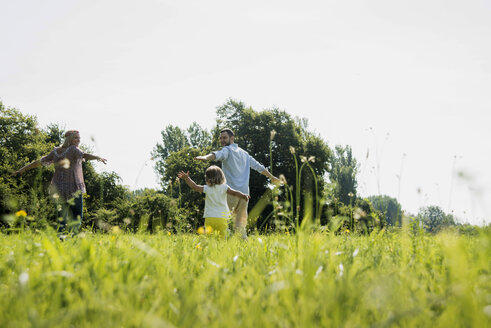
[236,164]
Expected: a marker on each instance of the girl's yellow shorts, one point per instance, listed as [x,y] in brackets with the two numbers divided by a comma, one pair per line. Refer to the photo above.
[217,225]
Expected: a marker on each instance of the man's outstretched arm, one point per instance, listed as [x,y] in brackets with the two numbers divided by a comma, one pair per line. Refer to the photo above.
[209,157]
[274,179]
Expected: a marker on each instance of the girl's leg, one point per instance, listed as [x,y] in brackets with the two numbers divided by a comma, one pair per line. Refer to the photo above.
[218,225]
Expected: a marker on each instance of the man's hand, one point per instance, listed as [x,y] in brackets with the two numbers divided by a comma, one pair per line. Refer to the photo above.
[276,181]
[200,158]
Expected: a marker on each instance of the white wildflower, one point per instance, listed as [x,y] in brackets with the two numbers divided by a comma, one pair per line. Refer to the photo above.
[23,278]
[318,272]
[213,263]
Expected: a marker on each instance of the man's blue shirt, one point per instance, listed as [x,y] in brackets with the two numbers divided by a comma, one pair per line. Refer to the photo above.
[236,165]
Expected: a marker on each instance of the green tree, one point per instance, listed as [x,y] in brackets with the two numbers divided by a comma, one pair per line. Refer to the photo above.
[149,210]
[174,139]
[343,171]
[259,131]
[183,160]
[198,137]
[434,218]
[22,141]
[389,207]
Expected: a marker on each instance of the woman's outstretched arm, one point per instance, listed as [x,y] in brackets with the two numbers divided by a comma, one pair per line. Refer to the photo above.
[28,167]
[91,157]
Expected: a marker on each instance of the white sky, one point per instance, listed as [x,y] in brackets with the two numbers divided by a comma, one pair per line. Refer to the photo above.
[387,77]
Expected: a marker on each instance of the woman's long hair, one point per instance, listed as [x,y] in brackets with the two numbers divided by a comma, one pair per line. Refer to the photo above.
[69,136]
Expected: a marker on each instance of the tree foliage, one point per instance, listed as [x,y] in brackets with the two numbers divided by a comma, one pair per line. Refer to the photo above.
[268,136]
[434,218]
[174,139]
[389,207]
[344,169]
[22,141]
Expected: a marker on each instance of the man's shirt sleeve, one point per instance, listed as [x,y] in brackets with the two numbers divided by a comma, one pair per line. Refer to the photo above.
[255,165]
[222,154]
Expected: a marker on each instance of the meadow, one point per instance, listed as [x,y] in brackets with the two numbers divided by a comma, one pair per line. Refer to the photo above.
[309,279]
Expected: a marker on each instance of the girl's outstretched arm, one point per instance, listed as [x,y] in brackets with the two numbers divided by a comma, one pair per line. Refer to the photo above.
[189,181]
[237,193]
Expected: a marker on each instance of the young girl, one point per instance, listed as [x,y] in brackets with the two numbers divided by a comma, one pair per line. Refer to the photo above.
[216,209]
[67,184]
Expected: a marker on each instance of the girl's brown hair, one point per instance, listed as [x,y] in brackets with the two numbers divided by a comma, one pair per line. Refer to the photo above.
[214,176]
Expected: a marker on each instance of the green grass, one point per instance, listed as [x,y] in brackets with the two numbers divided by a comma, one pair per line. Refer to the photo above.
[304,280]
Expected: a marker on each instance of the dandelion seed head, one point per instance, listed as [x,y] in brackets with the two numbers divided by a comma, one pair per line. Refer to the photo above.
[487,310]
[359,213]
[23,278]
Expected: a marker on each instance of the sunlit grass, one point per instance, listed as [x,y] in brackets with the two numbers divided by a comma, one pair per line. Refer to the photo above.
[281,280]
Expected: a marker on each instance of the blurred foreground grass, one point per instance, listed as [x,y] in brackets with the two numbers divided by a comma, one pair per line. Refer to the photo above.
[303,280]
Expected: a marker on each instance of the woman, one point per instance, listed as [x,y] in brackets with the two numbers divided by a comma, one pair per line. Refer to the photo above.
[67,185]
